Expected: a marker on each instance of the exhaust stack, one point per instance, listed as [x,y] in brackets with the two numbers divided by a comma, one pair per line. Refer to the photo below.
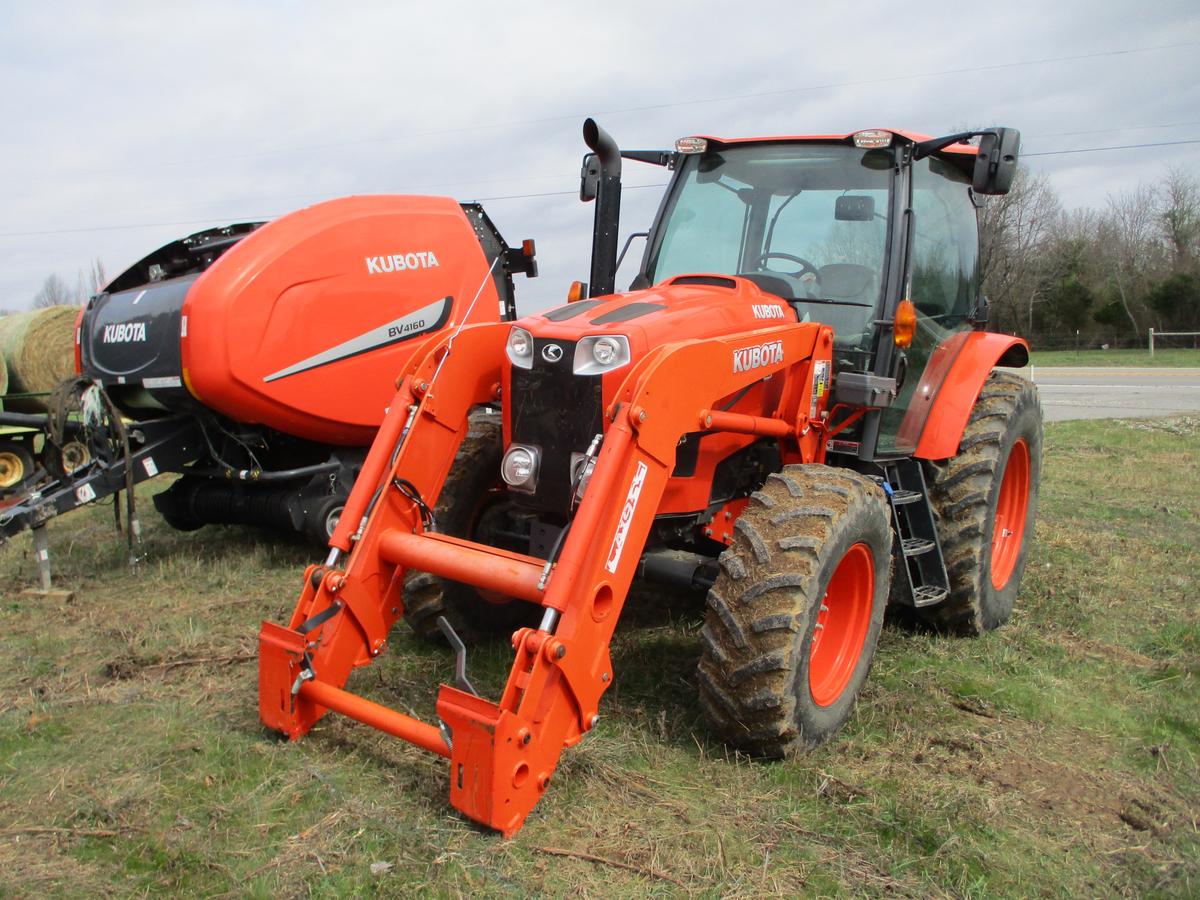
[608,209]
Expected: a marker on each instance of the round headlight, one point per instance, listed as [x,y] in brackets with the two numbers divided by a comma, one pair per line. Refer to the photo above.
[519,468]
[520,343]
[605,351]
[520,348]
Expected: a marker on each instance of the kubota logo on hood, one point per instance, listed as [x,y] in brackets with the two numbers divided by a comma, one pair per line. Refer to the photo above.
[124,333]
[400,262]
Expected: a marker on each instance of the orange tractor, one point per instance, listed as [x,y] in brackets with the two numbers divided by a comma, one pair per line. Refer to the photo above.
[794,408]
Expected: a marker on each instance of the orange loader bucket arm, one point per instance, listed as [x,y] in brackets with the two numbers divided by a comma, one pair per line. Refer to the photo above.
[503,754]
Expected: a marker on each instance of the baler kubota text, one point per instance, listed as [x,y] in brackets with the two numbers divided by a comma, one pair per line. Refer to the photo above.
[794,408]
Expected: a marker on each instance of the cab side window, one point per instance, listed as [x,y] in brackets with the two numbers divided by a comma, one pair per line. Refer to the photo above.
[945,244]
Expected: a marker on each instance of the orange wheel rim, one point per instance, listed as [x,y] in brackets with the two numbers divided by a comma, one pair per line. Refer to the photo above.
[1012,506]
[841,627]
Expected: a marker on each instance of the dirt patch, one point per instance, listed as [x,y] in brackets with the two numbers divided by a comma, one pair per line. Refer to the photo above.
[1082,646]
[1092,800]
[131,666]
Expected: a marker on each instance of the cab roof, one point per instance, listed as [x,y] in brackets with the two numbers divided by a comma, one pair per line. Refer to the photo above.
[912,136]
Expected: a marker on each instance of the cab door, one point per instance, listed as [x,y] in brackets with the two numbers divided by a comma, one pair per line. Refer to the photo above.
[943,284]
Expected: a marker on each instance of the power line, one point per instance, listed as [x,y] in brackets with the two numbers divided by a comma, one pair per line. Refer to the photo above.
[8,234]
[1100,149]
[624,187]
[631,187]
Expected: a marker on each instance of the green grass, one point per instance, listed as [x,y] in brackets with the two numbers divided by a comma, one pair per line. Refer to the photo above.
[1163,358]
[1058,756]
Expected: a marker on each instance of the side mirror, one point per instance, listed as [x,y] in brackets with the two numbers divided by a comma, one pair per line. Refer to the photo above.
[848,208]
[589,177]
[996,162]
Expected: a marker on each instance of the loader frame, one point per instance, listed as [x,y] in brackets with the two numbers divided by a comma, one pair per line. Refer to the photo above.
[503,754]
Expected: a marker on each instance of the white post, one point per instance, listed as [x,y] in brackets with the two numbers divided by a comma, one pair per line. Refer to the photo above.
[1152,343]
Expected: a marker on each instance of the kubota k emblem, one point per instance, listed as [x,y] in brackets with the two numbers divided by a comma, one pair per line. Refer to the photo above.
[552,353]
[627,511]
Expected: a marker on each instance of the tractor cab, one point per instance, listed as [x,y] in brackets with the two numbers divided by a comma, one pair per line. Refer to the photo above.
[844,228]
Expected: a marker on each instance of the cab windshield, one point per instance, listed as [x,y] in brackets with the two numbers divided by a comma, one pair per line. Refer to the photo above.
[805,221]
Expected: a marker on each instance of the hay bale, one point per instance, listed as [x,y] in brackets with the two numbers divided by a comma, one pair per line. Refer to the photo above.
[38,348]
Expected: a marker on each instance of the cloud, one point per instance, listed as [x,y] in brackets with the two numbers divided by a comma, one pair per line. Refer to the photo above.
[135,114]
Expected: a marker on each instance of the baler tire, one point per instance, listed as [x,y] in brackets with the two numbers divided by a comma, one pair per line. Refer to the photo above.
[475,618]
[1001,449]
[319,525]
[811,552]
[175,504]
[16,467]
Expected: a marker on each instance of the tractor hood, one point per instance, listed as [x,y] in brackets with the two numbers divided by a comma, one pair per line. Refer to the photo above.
[684,307]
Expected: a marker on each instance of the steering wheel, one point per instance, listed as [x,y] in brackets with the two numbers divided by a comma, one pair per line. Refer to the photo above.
[805,265]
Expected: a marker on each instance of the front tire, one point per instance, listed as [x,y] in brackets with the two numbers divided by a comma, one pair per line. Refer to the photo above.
[794,616]
[984,501]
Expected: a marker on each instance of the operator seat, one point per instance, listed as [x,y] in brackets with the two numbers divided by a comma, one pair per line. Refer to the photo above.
[848,283]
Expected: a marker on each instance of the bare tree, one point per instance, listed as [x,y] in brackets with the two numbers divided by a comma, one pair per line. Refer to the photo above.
[1128,233]
[1178,209]
[54,292]
[1012,231]
[96,277]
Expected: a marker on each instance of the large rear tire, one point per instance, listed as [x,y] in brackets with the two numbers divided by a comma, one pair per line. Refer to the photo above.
[469,498]
[984,501]
[794,616]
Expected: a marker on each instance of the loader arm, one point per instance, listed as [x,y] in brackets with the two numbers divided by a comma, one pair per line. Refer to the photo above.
[503,754]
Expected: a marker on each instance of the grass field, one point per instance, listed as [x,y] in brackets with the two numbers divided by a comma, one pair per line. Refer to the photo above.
[1165,358]
[1059,756]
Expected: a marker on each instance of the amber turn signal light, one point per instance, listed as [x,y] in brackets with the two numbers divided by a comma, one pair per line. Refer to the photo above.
[577,291]
[904,326]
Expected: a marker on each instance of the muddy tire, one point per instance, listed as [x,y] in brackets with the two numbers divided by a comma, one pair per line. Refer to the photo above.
[984,501]
[794,616]
[463,501]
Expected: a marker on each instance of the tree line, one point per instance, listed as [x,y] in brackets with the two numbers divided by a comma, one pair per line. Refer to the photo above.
[1090,277]
[56,292]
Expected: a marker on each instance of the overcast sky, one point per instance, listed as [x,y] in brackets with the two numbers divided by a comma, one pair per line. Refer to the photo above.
[127,125]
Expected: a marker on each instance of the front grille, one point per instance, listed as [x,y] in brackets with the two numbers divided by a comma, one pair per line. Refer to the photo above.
[560,412]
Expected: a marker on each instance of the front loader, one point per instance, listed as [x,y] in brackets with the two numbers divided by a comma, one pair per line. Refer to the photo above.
[794,408]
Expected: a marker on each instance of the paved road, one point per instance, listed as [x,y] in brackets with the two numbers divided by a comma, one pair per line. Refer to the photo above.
[1095,393]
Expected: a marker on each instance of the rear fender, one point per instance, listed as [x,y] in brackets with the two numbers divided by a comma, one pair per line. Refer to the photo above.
[981,352]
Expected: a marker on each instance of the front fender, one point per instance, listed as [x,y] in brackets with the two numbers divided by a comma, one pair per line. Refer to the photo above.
[981,352]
